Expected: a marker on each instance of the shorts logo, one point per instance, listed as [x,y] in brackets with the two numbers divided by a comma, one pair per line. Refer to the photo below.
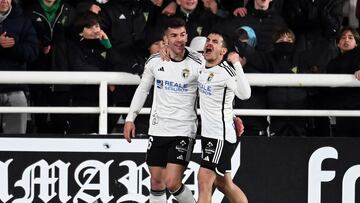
[182,147]
[183,143]
[160,84]
[209,149]
[206,158]
[185,73]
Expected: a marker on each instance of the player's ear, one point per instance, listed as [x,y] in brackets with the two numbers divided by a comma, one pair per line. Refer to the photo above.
[224,51]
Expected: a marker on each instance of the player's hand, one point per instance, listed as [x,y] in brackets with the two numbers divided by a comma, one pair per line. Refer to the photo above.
[165,53]
[357,74]
[241,12]
[129,130]
[239,126]
[233,57]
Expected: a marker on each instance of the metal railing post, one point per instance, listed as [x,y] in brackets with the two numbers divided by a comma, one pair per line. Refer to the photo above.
[103,105]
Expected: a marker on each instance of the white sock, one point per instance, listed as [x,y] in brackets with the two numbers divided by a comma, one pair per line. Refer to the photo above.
[158,196]
[183,195]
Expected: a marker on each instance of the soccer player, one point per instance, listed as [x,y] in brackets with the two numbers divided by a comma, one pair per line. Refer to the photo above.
[173,120]
[218,83]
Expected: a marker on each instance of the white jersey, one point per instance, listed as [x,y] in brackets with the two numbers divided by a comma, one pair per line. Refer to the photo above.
[217,87]
[173,111]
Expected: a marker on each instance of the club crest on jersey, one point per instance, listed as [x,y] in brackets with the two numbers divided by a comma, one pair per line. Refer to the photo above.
[210,77]
[185,73]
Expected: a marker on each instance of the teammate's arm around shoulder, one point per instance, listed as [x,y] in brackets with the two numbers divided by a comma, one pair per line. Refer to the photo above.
[241,86]
[138,100]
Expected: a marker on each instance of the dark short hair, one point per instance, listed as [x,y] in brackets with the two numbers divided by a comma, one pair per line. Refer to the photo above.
[174,23]
[86,20]
[350,29]
[226,39]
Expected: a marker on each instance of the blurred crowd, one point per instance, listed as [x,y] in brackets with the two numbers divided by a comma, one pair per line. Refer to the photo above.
[275,36]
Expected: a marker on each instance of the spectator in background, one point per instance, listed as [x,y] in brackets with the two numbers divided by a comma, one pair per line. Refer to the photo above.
[316,24]
[347,62]
[160,7]
[265,21]
[223,8]
[285,59]
[245,41]
[90,5]
[87,53]
[18,47]
[52,20]
[124,23]
[248,4]
[199,22]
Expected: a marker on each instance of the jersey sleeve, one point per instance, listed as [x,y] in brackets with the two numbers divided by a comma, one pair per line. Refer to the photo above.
[141,92]
[239,84]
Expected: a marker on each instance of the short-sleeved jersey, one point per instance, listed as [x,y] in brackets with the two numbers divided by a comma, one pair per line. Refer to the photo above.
[173,111]
[216,91]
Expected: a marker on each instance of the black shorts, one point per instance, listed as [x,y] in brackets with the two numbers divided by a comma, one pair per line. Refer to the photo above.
[163,150]
[216,155]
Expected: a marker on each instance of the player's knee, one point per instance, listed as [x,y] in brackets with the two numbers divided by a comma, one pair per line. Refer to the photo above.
[203,182]
[223,185]
[157,184]
[172,184]
[220,186]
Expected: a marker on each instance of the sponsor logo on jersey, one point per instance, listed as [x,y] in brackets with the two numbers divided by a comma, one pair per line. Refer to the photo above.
[172,86]
[159,84]
[204,89]
[185,73]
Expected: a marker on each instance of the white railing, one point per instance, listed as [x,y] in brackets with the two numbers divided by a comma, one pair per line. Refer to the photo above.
[105,78]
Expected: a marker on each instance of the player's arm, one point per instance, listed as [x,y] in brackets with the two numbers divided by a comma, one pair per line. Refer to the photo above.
[137,102]
[239,84]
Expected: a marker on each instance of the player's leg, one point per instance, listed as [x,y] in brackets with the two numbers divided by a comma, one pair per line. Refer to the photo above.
[224,180]
[156,161]
[230,189]
[174,174]
[206,178]
[157,184]
[178,158]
